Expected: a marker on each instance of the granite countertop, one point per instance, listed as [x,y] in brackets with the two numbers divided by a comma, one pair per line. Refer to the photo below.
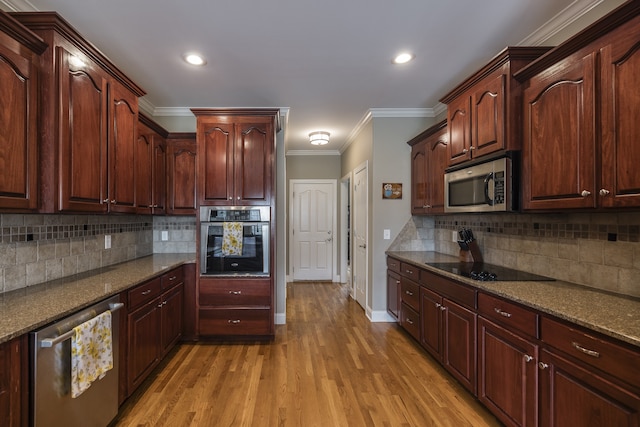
[613,315]
[28,309]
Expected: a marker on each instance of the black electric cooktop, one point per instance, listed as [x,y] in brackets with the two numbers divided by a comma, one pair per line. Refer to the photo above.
[487,272]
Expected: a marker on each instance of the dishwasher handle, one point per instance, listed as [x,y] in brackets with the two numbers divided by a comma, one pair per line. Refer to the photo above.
[50,342]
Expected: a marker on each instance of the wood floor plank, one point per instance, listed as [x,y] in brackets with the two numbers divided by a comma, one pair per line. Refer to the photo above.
[328,366]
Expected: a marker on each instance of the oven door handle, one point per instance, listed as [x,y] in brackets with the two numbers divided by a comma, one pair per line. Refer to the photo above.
[488,200]
[50,342]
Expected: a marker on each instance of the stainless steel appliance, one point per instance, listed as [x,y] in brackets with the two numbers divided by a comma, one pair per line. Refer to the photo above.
[51,401]
[252,259]
[490,186]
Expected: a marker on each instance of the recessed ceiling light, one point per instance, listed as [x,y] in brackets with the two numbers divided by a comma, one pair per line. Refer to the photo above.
[194,59]
[403,58]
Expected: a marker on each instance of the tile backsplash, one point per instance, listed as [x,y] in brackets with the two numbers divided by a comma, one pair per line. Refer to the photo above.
[37,248]
[599,250]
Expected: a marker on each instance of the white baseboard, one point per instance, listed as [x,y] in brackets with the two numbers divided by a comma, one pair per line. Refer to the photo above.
[382,316]
[281,319]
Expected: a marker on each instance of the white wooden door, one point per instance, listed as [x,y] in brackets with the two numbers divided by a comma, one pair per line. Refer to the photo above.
[360,220]
[312,233]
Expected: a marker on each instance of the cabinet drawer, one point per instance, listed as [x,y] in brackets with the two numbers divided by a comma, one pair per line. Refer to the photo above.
[393,264]
[410,293]
[508,314]
[172,278]
[410,321]
[235,322]
[589,348]
[144,293]
[235,292]
[454,291]
[410,271]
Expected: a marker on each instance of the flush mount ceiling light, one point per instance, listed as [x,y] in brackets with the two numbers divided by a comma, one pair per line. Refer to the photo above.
[319,138]
[403,58]
[194,59]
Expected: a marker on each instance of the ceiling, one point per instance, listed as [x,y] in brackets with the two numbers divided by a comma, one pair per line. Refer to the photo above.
[326,63]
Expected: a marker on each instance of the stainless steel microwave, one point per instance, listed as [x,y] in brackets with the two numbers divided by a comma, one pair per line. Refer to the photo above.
[484,187]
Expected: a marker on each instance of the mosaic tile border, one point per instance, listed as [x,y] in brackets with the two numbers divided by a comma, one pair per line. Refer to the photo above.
[538,226]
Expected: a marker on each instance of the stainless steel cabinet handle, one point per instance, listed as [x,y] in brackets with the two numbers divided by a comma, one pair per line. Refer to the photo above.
[105,201]
[172,278]
[542,365]
[408,271]
[528,358]
[235,292]
[585,193]
[159,305]
[438,305]
[472,148]
[147,292]
[464,150]
[113,201]
[409,293]
[409,321]
[443,308]
[233,322]
[397,282]
[604,192]
[586,351]
[502,313]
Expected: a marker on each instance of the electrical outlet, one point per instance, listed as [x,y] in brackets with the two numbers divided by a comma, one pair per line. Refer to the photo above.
[387,234]
[164,235]
[107,241]
[454,236]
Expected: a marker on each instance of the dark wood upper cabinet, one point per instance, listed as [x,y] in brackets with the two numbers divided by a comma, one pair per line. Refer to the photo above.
[181,174]
[429,158]
[151,167]
[580,119]
[19,61]
[236,156]
[484,112]
[89,112]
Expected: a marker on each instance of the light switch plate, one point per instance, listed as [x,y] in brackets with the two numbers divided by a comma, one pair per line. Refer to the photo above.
[387,234]
[107,241]
[164,235]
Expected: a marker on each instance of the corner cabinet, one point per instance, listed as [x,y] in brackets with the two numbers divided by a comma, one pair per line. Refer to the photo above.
[484,111]
[89,117]
[236,156]
[428,163]
[19,61]
[580,145]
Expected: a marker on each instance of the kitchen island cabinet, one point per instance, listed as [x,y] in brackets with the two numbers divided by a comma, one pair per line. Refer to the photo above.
[19,61]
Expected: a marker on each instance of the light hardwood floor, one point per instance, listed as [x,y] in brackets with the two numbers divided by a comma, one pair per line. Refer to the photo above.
[328,366]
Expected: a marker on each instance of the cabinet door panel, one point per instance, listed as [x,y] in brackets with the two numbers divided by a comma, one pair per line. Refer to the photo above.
[144,342]
[144,176]
[507,374]
[488,117]
[171,327]
[459,344]
[574,396]
[83,145]
[159,175]
[122,148]
[559,140]
[253,160]
[430,317]
[393,293]
[620,111]
[216,166]
[181,189]
[437,163]
[459,123]
[18,132]
[419,181]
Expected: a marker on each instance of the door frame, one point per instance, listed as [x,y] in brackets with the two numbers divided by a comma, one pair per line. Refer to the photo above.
[346,199]
[334,215]
[362,167]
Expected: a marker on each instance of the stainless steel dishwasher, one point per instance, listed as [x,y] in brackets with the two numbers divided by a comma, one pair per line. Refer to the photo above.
[51,401]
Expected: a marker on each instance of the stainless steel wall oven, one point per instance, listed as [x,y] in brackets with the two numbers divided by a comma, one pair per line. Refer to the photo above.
[234,240]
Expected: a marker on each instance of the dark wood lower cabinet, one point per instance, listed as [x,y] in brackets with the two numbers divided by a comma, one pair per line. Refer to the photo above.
[144,342]
[573,395]
[14,382]
[507,374]
[459,343]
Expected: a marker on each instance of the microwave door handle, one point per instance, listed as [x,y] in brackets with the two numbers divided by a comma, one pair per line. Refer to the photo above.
[488,200]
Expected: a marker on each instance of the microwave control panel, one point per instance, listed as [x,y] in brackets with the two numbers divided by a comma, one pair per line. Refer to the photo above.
[498,188]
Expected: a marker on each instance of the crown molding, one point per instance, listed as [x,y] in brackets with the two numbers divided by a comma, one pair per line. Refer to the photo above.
[559,22]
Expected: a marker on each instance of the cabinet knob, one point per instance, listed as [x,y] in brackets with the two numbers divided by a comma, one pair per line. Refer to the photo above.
[442,308]
[397,282]
[438,305]
[105,201]
[472,148]
[528,358]
[464,150]
[604,192]
[113,201]
[542,365]
[230,198]
[585,193]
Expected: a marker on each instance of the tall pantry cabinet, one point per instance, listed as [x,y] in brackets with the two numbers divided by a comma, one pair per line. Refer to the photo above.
[89,116]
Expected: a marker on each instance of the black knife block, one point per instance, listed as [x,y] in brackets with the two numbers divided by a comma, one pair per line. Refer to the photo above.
[471,255]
